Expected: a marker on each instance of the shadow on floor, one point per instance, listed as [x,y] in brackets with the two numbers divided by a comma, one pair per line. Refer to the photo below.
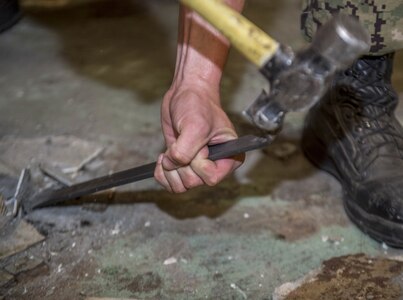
[126,44]
[118,43]
[212,202]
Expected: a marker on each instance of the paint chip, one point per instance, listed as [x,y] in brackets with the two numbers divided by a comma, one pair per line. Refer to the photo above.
[170,261]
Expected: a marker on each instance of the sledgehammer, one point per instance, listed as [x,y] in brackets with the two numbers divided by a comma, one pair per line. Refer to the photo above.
[297,81]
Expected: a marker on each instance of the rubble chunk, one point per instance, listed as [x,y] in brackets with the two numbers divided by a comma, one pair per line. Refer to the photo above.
[22,237]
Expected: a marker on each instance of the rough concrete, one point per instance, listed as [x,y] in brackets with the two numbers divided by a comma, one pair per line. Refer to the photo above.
[96,71]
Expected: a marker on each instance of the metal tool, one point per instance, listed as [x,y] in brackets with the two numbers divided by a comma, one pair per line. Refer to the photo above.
[219,151]
[297,81]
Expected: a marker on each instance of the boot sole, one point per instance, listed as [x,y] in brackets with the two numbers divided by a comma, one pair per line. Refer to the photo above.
[382,230]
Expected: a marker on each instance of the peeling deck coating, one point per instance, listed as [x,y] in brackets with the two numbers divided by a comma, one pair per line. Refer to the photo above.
[354,277]
[69,80]
[210,258]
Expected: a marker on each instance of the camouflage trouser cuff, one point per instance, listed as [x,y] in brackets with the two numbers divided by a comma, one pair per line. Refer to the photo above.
[382,18]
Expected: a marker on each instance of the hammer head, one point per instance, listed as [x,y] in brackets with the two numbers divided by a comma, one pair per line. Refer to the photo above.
[298,81]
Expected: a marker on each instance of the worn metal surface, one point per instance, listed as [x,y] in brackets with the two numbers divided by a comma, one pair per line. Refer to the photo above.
[91,75]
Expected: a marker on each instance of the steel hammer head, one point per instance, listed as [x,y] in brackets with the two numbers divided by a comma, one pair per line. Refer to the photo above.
[298,81]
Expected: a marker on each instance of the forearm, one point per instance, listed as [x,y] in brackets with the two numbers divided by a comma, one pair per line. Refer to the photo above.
[202,50]
[191,114]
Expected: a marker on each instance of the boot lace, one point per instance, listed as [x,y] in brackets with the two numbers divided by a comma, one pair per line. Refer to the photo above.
[368,105]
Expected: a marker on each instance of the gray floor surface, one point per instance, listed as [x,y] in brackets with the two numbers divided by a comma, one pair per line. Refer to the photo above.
[91,75]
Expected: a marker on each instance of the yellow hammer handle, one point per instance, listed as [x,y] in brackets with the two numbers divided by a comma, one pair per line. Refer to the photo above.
[250,40]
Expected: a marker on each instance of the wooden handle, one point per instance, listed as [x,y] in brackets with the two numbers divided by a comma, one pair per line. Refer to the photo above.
[250,40]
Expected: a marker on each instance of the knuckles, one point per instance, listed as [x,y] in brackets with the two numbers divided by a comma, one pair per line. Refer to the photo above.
[179,157]
[212,180]
[191,183]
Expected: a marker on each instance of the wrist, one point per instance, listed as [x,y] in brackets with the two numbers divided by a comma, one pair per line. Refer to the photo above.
[204,90]
[194,67]
[196,82]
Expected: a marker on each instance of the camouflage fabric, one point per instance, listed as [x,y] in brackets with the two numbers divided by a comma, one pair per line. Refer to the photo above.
[382,18]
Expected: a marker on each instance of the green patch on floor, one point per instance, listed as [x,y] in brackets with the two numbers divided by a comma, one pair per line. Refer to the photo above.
[215,262]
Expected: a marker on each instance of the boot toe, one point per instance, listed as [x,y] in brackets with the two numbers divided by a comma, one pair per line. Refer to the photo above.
[378,210]
[383,198]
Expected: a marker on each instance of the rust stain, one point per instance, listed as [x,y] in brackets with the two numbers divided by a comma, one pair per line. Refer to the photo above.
[354,277]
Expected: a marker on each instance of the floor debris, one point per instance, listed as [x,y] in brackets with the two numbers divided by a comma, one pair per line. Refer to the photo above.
[24,264]
[55,174]
[238,289]
[170,261]
[83,163]
[335,240]
[60,151]
[5,278]
[22,190]
[22,237]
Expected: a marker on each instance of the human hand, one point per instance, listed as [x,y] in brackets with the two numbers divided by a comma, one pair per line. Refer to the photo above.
[192,118]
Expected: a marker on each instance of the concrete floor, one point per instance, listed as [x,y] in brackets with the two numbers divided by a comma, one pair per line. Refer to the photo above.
[94,73]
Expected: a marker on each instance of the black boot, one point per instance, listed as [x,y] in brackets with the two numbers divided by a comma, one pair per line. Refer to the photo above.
[353,134]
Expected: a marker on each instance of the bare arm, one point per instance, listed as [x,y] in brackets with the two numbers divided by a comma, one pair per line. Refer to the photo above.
[191,114]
